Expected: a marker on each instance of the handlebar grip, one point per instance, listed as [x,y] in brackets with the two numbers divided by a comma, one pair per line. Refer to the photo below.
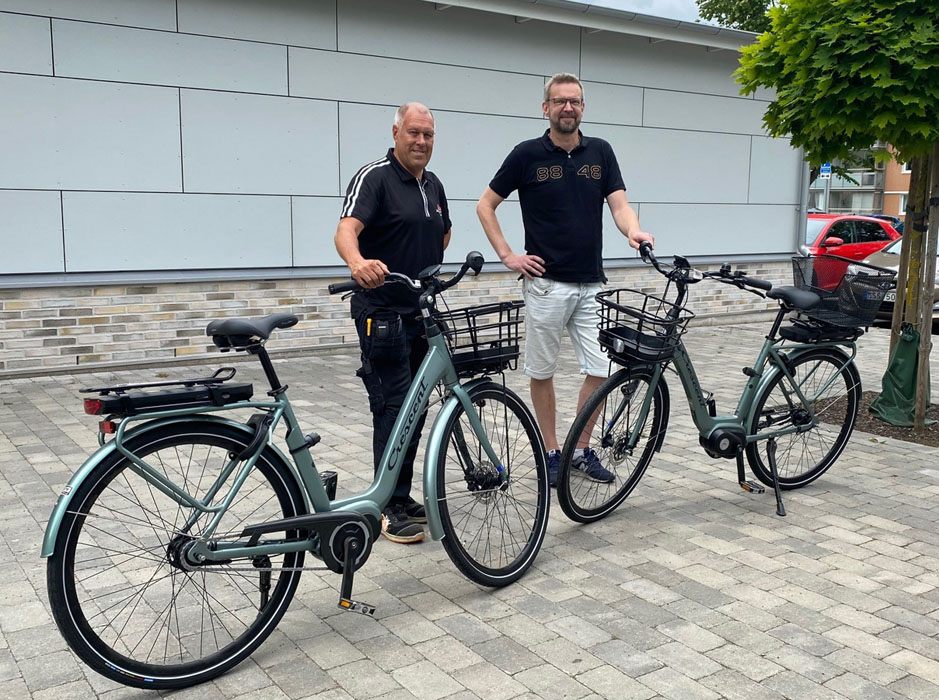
[340,287]
[759,284]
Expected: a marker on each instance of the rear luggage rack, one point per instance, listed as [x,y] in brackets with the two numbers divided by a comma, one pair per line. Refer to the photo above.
[127,400]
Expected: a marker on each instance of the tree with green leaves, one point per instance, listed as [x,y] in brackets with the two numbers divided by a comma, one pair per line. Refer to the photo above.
[849,74]
[749,15]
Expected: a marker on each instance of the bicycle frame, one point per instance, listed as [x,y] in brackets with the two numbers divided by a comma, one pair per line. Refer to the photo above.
[436,367]
[769,362]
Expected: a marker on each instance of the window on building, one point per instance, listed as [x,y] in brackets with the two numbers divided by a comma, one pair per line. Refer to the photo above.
[902,212]
[905,168]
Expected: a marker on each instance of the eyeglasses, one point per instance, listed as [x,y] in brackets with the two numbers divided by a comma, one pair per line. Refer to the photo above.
[561,101]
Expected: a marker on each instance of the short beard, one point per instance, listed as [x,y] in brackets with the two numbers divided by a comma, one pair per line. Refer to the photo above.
[563,128]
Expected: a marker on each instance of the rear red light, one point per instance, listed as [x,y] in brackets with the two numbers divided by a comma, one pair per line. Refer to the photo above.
[108,427]
[92,407]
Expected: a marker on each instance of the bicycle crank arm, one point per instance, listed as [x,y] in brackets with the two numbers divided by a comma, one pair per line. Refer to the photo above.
[350,551]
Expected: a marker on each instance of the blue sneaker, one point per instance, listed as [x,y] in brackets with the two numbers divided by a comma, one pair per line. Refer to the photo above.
[554,462]
[590,465]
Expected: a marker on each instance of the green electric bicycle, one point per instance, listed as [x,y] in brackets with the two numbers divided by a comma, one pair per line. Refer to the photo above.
[794,416]
[176,548]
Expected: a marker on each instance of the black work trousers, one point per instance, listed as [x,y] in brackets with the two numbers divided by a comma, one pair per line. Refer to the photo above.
[392,351]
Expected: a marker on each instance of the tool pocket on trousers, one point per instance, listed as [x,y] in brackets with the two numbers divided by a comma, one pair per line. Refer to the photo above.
[376,397]
[383,338]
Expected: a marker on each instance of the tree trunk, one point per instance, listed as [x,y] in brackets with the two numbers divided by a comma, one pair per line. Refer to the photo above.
[928,273]
[907,274]
[909,280]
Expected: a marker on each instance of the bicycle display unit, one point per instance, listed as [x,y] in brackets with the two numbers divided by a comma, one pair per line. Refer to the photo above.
[176,548]
[794,416]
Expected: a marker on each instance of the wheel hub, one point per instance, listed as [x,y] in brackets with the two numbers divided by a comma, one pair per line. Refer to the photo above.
[177,553]
[484,477]
[801,417]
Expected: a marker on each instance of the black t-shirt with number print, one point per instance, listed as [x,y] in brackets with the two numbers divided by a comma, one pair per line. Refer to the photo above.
[561,195]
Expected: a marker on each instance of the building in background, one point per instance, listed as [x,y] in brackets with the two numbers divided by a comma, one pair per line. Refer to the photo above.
[896,188]
[169,161]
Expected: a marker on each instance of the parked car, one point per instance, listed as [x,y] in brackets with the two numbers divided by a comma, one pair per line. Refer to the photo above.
[889,258]
[846,235]
[895,221]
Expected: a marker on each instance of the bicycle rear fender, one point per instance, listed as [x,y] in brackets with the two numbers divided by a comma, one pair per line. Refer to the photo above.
[105,451]
[433,448]
[773,370]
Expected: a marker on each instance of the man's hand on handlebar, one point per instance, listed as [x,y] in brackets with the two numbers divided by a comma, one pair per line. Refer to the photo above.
[369,273]
[637,238]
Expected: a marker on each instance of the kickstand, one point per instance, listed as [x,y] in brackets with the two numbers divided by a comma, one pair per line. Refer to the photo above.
[771,454]
[351,551]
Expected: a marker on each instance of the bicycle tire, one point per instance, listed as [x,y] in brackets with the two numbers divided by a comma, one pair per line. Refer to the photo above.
[803,457]
[584,500]
[493,533]
[123,607]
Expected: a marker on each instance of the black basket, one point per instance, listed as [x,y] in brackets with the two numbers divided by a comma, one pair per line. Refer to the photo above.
[851,291]
[638,327]
[483,339]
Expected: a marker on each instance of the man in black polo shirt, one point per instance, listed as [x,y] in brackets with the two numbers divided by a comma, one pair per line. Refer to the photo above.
[562,179]
[394,219]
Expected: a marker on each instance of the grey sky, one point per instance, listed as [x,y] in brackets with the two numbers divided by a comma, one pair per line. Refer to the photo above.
[673,9]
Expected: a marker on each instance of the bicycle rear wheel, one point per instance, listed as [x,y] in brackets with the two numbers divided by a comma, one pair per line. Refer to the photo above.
[118,593]
[493,531]
[611,416]
[833,387]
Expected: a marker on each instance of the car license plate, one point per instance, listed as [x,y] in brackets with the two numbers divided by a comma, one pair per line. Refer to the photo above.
[890,296]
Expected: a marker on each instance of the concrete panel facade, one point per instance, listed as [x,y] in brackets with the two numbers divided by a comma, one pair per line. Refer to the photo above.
[258,144]
[152,14]
[167,58]
[172,231]
[25,44]
[385,81]
[309,23]
[62,134]
[456,36]
[31,229]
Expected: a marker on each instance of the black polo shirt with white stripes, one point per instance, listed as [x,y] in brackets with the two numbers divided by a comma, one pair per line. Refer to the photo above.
[561,196]
[405,222]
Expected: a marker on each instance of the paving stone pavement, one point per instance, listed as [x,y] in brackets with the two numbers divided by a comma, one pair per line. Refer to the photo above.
[692,589]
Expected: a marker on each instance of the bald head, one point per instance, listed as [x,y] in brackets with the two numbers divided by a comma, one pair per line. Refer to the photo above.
[415,108]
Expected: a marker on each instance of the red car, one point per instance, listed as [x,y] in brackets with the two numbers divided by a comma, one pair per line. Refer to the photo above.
[847,235]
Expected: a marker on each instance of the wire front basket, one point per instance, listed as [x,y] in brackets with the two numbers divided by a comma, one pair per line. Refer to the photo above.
[851,292]
[638,327]
[483,339]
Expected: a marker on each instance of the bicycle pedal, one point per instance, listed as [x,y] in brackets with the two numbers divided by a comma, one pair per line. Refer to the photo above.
[356,606]
[751,487]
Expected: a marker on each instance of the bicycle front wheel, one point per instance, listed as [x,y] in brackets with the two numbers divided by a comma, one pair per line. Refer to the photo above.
[119,594]
[493,529]
[622,442]
[831,385]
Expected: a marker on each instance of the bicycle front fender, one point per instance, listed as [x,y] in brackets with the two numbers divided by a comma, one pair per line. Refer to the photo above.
[104,452]
[771,374]
[433,448]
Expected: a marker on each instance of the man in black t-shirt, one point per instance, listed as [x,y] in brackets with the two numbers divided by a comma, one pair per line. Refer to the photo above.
[394,218]
[562,180]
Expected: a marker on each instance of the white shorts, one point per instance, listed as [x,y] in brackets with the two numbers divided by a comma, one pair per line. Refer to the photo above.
[552,306]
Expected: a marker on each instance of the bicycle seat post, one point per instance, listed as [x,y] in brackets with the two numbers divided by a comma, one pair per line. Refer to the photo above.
[268,366]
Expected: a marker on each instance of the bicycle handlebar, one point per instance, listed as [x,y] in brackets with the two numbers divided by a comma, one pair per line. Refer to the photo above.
[474,261]
[683,272]
[350,286]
